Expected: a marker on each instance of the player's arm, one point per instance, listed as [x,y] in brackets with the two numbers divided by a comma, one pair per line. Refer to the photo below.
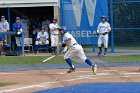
[68,41]
[47,36]
[38,36]
[98,28]
[109,28]
[21,28]
[7,26]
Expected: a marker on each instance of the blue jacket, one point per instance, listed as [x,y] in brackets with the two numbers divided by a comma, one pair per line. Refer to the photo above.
[18,26]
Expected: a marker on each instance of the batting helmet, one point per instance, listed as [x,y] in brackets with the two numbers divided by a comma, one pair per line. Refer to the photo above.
[63,28]
[103,17]
[55,19]
[17,18]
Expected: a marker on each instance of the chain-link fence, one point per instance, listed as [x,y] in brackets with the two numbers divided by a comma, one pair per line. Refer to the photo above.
[126,20]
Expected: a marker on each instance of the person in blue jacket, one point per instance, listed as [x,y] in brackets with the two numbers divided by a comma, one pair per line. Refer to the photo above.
[18,29]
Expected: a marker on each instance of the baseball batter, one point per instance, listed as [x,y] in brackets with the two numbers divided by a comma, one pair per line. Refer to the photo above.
[74,49]
[103,31]
[54,35]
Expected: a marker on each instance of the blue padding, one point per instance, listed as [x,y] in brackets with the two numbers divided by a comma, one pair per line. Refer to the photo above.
[97,88]
[64,66]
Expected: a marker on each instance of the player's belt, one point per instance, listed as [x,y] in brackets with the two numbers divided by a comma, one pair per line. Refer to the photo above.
[54,34]
[101,33]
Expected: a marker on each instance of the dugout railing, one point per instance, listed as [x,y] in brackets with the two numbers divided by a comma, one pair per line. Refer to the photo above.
[10,34]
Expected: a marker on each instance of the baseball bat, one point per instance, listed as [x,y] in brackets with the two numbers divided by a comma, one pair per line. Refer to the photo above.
[48,58]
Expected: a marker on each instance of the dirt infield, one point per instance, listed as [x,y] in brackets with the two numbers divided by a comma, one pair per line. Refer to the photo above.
[34,80]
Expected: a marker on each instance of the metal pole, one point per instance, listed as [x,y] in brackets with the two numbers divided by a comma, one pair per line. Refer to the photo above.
[9,18]
[112,26]
[94,48]
[9,21]
[23,43]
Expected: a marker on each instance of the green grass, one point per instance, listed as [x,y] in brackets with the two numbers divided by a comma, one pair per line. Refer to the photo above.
[5,84]
[37,60]
[29,60]
[124,58]
[122,46]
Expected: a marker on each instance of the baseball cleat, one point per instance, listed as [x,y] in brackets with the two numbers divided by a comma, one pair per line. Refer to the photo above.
[104,54]
[94,69]
[71,70]
[99,53]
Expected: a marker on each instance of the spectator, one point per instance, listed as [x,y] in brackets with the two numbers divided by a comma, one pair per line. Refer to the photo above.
[26,23]
[45,24]
[54,35]
[4,26]
[42,39]
[37,23]
[34,34]
[18,29]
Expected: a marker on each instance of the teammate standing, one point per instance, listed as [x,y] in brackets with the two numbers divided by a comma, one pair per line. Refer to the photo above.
[54,35]
[18,29]
[74,50]
[4,26]
[103,31]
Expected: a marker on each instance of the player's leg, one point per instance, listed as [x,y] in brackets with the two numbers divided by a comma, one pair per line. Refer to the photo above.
[56,43]
[52,44]
[83,57]
[71,52]
[18,44]
[47,45]
[1,43]
[5,41]
[36,47]
[100,44]
[105,41]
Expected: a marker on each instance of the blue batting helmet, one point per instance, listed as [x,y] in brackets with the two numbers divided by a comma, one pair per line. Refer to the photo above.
[63,28]
[17,18]
[104,17]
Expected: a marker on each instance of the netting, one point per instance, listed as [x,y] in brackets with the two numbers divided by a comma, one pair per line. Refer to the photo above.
[126,19]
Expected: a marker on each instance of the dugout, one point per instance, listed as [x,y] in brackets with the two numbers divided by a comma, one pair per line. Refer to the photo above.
[30,9]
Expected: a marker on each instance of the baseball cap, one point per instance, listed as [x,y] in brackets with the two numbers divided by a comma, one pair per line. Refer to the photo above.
[17,18]
[103,17]
[2,16]
[55,19]
[42,27]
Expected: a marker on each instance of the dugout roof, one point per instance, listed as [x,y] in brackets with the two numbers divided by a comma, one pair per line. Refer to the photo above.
[28,3]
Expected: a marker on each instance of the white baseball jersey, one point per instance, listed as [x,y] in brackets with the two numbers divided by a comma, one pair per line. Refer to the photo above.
[103,27]
[75,49]
[43,35]
[68,36]
[52,25]
[4,25]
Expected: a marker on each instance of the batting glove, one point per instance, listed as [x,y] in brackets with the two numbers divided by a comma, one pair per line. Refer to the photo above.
[105,33]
